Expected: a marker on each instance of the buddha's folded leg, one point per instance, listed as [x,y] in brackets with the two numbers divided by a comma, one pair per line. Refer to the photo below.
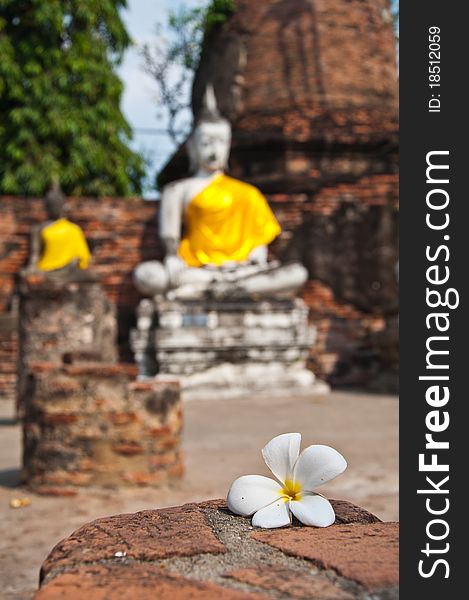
[287,278]
[198,275]
[194,283]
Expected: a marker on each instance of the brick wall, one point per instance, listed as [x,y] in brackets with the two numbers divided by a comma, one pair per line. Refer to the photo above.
[345,233]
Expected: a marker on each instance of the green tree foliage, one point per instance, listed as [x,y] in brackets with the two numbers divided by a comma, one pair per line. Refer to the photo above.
[59,99]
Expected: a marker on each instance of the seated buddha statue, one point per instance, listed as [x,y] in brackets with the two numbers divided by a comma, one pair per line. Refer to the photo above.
[58,246]
[215,229]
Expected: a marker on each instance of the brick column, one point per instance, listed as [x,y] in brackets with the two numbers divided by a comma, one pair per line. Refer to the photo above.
[93,424]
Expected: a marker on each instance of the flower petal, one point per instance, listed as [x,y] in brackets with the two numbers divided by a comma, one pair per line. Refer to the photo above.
[281,453]
[313,509]
[276,514]
[316,465]
[252,492]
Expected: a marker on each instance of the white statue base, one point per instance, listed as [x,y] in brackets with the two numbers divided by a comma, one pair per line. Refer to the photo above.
[229,380]
[226,346]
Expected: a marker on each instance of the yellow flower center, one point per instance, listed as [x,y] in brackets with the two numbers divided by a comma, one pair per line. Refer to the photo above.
[291,490]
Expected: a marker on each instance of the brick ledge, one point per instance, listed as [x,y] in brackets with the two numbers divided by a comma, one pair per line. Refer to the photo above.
[203,551]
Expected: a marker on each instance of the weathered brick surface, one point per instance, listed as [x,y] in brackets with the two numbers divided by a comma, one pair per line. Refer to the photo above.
[147,535]
[134,582]
[292,583]
[346,512]
[368,554]
[321,55]
[62,322]
[203,551]
[89,424]
[8,353]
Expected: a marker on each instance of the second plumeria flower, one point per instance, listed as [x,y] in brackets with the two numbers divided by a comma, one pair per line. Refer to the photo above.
[272,503]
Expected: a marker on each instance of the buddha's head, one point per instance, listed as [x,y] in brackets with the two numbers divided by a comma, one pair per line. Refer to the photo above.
[54,202]
[210,141]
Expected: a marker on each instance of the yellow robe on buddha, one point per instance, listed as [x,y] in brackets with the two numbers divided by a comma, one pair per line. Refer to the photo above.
[225,222]
[62,243]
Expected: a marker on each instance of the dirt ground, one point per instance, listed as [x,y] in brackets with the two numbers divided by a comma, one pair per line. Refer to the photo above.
[222,441]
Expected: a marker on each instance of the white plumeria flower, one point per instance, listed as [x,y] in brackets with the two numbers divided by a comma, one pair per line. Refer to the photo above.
[299,474]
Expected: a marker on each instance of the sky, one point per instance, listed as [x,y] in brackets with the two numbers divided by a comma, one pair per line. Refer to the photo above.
[139,102]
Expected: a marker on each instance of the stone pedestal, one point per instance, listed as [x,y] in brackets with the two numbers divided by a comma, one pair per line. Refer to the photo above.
[93,424]
[214,345]
[63,320]
[8,353]
[87,421]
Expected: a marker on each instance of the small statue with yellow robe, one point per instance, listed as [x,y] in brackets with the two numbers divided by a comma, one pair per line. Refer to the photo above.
[215,229]
[58,246]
